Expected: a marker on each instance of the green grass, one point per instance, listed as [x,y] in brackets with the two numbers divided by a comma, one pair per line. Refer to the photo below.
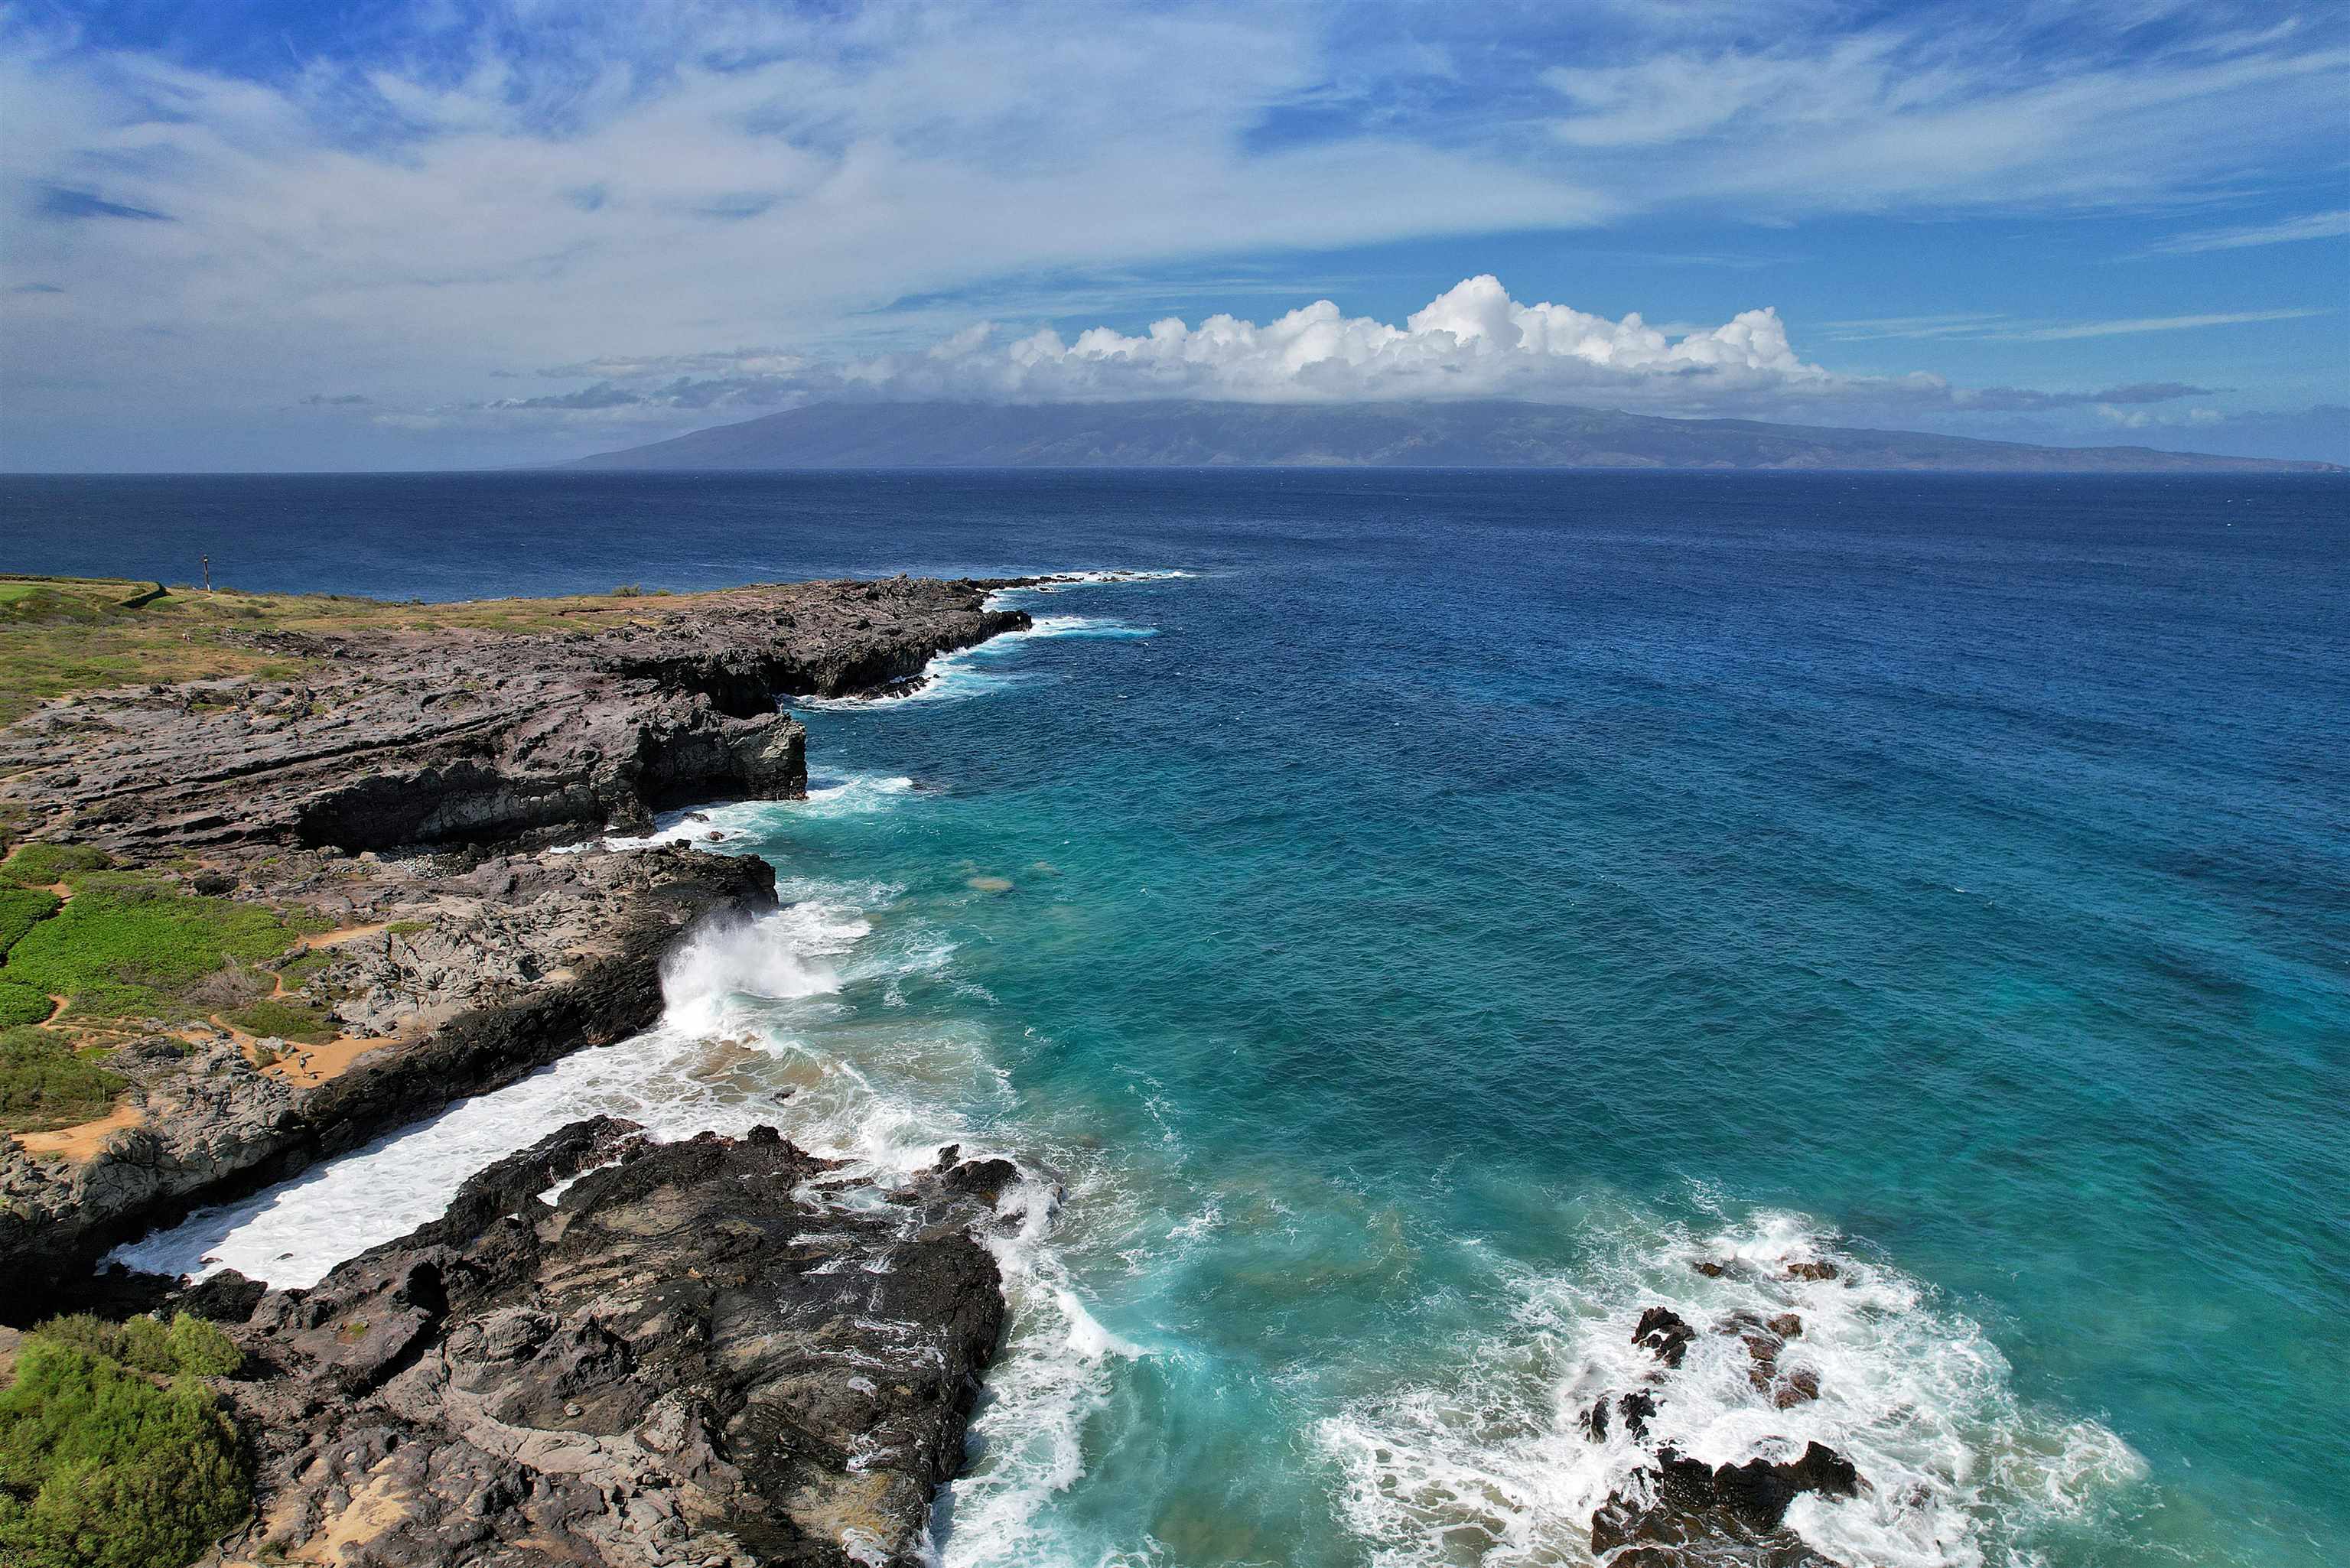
[127,946]
[103,1467]
[300,971]
[22,1005]
[44,864]
[22,909]
[286,1020]
[148,1343]
[59,636]
[45,1084]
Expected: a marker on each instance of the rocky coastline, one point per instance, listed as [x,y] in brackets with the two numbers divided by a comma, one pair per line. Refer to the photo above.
[407,798]
[711,1352]
[608,1351]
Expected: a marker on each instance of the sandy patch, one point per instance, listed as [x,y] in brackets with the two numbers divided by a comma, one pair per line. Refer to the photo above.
[336,939]
[307,1064]
[78,1143]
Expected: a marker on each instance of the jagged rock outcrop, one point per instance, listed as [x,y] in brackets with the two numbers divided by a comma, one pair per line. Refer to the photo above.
[711,1352]
[425,738]
[407,794]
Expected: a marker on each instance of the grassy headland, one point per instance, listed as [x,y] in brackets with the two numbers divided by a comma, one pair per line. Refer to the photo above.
[124,952]
[59,636]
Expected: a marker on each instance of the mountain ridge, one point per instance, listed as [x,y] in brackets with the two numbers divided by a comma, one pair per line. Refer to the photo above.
[1470,433]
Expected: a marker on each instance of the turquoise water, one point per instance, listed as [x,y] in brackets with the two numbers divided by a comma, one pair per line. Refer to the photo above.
[1461,900]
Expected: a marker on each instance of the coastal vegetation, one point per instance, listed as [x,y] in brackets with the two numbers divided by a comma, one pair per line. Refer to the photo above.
[91,955]
[46,1082]
[114,1453]
[130,945]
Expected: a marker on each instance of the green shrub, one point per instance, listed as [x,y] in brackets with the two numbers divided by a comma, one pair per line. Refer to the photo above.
[627,591]
[126,944]
[147,1343]
[286,1020]
[42,865]
[22,1005]
[101,1467]
[22,909]
[298,973]
[201,1349]
[45,1084]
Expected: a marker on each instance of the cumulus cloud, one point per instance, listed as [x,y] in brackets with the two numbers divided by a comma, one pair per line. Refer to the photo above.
[453,190]
[1473,340]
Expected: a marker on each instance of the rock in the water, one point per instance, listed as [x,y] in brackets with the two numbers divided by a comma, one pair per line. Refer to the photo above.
[1678,1512]
[1664,1335]
[1702,1515]
[696,1357]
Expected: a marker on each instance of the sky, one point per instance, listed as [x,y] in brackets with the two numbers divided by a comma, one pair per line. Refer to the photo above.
[455,233]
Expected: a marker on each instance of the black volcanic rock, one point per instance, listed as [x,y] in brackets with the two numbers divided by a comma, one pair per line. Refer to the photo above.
[1701,1514]
[1467,433]
[430,738]
[1678,1512]
[406,791]
[694,1356]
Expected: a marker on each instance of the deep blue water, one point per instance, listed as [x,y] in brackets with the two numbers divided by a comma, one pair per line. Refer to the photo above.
[1465,898]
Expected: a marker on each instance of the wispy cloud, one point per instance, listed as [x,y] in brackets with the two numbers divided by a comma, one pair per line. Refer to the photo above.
[2152,324]
[1962,323]
[2000,326]
[450,191]
[59,202]
[2285,230]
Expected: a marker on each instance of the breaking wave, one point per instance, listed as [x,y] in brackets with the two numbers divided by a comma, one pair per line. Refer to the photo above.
[1492,1465]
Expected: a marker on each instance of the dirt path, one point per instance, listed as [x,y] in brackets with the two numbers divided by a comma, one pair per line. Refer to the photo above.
[78,1143]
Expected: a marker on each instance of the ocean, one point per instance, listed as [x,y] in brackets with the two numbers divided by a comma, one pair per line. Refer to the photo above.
[1426,911]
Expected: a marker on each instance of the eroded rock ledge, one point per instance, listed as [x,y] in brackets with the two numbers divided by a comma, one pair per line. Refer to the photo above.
[409,796]
[417,738]
[713,1351]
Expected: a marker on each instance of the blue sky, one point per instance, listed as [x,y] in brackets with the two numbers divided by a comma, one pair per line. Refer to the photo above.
[405,236]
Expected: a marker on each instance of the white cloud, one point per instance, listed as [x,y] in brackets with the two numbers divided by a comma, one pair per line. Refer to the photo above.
[1473,340]
[2152,324]
[2311,226]
[435,202]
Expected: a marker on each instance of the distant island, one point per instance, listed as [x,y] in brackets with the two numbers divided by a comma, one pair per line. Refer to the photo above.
[1463,434]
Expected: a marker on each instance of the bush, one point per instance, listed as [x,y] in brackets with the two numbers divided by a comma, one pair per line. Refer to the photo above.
[22,1005]
[102,1468]
[22,909]
[627,591]
[43,865]
[126,944]
[286,1020]
[147,1343]
[43,1084]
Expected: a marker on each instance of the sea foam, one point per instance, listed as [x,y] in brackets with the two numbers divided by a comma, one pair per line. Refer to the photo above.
[1960,1471]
